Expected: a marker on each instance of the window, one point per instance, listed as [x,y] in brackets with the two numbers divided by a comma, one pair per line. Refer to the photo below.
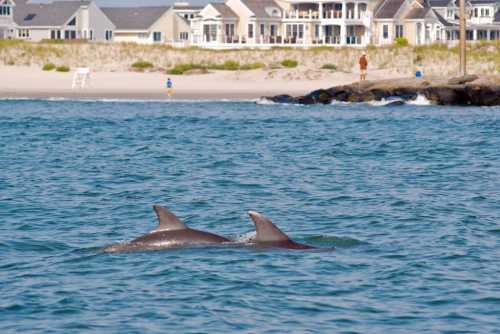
[210,32]
[91,35]
[450,14]
[262,29]
[184,36]
[229,29]
[250,31]
[4,10]
[69,34]
[487,12]
[72,23]
[109,35]
[24,33]
[52,34]
[399,31]
[273,30]
[316,30]
[157,36]
[385,31]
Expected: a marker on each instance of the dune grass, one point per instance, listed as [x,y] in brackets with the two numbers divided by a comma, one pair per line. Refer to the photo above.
[436,59]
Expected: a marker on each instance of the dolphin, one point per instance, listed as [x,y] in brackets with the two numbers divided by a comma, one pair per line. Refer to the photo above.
[171,232]
[269,235]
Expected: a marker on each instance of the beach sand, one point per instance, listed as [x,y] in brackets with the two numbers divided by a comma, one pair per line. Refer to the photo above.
[32,82]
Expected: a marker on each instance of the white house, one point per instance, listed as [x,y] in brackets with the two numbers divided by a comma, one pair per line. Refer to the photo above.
[7,25]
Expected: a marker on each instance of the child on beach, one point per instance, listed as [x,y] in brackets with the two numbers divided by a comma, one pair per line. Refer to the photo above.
[170,88]
[363,66]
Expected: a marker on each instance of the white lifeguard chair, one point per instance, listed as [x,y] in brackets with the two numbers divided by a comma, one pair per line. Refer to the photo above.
[81,78]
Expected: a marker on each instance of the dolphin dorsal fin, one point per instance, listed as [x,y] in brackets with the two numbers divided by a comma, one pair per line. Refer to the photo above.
[266,230]
[167,221]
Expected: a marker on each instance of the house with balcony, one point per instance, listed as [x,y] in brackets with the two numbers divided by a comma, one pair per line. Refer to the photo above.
[434,21]
[36,21]
[215,25]
[149,25]
[296,23]
[238,23]
[337,23]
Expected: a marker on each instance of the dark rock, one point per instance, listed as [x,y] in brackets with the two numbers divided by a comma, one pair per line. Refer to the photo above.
[280,98]
[446,95]
[484,92]
[463,79]
[483,95]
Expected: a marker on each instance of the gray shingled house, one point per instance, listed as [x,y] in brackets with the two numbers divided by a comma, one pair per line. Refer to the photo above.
[148,25]
[68,20]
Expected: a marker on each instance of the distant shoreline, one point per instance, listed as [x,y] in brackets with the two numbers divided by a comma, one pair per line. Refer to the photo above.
[32,82]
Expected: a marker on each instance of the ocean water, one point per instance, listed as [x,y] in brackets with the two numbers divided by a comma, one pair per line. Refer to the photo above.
[408,195]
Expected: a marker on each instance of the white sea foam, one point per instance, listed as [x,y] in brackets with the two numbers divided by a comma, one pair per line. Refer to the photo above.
[384,102]
[264,101]
[420,101]
[245,238]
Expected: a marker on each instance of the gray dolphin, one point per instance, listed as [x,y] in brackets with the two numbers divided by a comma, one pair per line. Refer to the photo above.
[269,235]
[171,232]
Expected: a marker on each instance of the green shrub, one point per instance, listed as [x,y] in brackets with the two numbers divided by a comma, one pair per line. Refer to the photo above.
[62,69]
[331,67]
[229,65]
[290,63]
[401,41]
[7,43]
[48,67]
[142,65]
[180,69]
[252,66]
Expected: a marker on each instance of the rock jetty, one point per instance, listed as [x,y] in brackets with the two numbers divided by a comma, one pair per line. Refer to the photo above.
[466,90]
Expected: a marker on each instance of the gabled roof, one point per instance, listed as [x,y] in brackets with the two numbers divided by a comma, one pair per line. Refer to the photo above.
[417,13]
[224,10]
[258,7]
[52,14]
[442,20]
[134,18]
[388,9]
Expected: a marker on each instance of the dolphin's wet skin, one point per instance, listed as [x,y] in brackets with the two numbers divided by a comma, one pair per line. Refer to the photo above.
[173,233]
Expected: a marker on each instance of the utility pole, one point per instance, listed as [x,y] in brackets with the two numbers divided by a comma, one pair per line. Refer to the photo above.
[463,38]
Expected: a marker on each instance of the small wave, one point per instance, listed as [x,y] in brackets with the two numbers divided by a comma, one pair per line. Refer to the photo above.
[335,102]
[34,245]
[245,238]
[387,102]
[324,240]
[264,101]
[420,101]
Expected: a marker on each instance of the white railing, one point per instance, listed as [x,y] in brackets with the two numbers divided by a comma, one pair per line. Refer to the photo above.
[302,15]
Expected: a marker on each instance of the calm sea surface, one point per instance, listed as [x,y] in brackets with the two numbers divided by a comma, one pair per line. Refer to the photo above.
[409,196]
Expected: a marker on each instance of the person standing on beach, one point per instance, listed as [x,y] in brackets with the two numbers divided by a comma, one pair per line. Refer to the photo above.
[363,66]
[170,87]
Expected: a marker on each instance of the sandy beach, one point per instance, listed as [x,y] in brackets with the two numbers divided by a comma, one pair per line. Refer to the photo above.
[32,82]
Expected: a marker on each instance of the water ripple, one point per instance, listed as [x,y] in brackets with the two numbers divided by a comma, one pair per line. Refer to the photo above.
[407,195]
